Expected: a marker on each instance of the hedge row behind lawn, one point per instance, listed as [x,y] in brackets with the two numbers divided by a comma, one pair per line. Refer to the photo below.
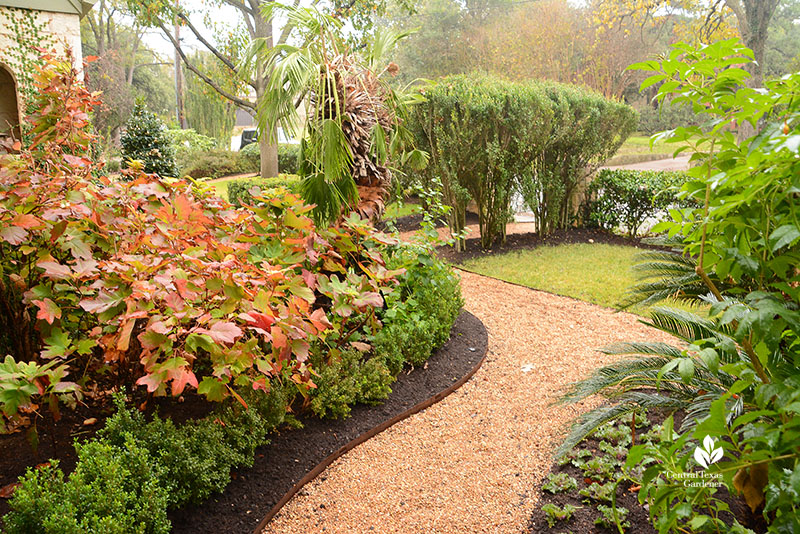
[209,162]
[134,470]
[627,198]
[489,138]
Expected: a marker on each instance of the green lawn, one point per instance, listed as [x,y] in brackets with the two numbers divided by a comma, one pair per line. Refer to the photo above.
[596,273]
[395,210]
[640,144]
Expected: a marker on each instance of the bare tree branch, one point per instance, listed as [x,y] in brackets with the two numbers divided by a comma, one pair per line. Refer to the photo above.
[227,62]
[241,102]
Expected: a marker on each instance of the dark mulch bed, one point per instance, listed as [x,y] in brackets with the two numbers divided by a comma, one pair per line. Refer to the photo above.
[533,240]
[293,453]
[519,241]
[627,497]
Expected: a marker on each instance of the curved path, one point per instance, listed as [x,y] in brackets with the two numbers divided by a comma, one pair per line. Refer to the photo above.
[471,463]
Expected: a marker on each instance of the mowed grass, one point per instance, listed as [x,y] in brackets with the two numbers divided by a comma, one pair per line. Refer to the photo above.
[640,144]
[592,272]
[396,210]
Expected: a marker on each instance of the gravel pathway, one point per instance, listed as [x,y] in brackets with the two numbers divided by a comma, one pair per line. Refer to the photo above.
[471,463]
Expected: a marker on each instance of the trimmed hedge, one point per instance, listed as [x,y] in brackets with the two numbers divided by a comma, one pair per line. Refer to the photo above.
[239,191]
[218,163]
[134,470]
[627,198]
[489,138]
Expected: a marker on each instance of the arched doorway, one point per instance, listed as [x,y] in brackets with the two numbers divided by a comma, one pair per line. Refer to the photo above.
[9,104]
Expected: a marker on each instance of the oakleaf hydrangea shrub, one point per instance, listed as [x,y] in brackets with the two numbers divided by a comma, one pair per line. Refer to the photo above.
[163,288]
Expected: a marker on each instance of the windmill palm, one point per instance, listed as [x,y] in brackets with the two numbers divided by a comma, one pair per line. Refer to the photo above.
[353,130]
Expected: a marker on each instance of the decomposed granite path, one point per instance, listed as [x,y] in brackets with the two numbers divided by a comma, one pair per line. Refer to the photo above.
[471,463]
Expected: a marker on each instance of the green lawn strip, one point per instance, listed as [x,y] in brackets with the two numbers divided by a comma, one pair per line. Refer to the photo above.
[396,210]
[592,272]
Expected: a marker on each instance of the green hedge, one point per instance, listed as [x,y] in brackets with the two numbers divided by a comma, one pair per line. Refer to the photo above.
[218,163]
[238,191]
[134,470]
[489,138]
[622,197]
[288,157]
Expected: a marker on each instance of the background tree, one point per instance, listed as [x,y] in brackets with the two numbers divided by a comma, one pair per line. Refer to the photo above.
[254,25]
[208,112]
[125,69]
[708,20]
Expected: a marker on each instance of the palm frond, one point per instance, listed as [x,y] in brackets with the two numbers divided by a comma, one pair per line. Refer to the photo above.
[684,325]
[631,402]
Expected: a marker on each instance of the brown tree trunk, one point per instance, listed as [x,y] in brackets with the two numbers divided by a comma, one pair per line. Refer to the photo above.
[268,151]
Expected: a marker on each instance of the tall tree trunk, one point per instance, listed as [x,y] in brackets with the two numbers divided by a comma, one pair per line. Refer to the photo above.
[268,151]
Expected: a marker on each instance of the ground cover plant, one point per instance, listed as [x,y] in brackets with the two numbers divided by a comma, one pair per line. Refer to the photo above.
[735,372]
[159,288]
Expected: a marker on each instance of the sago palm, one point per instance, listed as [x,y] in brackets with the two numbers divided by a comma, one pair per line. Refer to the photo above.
[353,127]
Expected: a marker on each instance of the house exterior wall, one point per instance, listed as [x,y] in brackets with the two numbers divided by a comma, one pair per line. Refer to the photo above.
[63,28]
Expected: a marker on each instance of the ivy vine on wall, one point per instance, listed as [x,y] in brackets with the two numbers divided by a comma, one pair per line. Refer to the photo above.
[23,27]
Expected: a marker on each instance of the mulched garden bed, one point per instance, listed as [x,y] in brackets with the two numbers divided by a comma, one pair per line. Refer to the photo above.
[533,240]
[587,509]
[279,465]
[253,492]
[521,241]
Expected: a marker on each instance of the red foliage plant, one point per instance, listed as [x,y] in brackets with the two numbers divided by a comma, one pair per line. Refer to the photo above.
[158,283]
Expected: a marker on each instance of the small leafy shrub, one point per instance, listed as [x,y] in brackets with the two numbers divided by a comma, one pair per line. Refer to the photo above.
[216,163]
[599,492]
[421,311]
[187,145]
[612,516]
[554,513]
[239,190]
[288,158]
[556,483]
[346,378]
[629,197]
[196,458]
[112,490]
[145,140]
